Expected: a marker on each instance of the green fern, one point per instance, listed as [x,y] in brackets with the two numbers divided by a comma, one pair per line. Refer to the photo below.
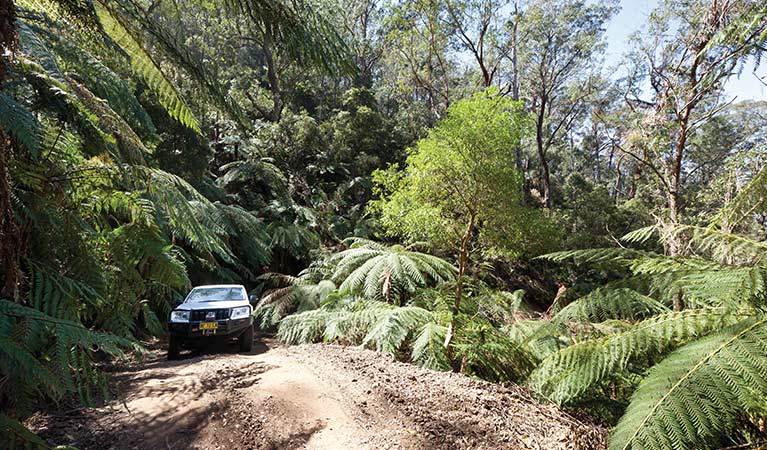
[385,273]
[394,327]
[605,303]
[144,64]
[568,374]
[303,328]
[20,123]
[292,294]
[693,398]
[429,348]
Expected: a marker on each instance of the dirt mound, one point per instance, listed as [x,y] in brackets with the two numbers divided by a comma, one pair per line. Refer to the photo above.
[450,410]
[314,396]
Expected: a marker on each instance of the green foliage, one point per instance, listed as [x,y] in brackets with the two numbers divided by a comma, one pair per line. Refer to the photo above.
[429,349]
[417,331]
[20,123]
[698,369]
[696,395]
[570,373]
[605,303]
[385,273]
[291,294]
[49,357]
[463,171]
[144,64]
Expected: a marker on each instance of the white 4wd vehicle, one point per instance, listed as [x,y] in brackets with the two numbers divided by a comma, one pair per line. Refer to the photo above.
[211,313]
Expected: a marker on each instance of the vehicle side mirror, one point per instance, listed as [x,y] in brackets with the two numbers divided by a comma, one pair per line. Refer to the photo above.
[177,301]
[253,299]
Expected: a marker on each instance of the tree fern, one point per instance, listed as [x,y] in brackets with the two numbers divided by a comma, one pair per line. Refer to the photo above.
[300,28]
[568,374]
[607,303]
[394,326]
[79,63]
[304,328]
[429,349]
[386,273]
[20,123]
[26,331]
[693,398]
[145,65]
[292,294]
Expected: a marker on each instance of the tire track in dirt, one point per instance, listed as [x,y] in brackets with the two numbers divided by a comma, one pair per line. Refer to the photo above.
[319,397]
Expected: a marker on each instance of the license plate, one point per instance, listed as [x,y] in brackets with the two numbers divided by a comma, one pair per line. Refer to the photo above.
[208,325]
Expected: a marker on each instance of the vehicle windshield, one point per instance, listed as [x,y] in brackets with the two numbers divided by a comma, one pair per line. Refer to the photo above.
[215,294]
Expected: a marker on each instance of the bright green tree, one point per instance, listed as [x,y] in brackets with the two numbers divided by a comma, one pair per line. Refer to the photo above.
[460,189]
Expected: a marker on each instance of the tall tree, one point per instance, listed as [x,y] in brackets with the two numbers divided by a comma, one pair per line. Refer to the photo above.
[558,58]
[689,50]
[478,26]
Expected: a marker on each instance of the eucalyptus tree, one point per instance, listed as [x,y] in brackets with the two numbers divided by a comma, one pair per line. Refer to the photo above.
[419,41]
[557,59]
[688,52]
[478,29]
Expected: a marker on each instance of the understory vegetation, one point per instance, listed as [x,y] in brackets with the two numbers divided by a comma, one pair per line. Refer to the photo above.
[467,186]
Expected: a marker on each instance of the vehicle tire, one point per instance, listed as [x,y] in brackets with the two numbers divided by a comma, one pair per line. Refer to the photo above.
[246,340]
[174,348]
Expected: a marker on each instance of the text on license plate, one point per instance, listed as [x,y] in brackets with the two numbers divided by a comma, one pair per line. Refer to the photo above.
[208,325]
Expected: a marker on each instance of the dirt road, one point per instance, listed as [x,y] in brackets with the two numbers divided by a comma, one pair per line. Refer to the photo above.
[314,397]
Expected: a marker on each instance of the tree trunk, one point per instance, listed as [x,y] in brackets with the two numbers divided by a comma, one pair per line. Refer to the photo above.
[463,257]
[274,80]
[515,80]
[545,181]
[8,36]
[10,234]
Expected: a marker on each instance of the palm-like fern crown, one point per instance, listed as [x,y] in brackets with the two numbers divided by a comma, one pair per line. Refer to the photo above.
[288,294]
[385,273]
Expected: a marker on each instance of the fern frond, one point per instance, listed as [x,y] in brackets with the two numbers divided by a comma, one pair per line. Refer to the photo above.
[80,64]
[304,328]
[391,330]
[298,295]
[641,235]
[302,30]
[614,255]
[693,398]
[487,352]
[429,348]
[14,435]
[20,123]
[605,303]
[145,65]
[171,42]
[569,373]
[377,271]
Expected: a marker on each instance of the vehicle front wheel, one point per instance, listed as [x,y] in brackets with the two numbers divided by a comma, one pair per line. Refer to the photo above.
[174,348]
[246,340]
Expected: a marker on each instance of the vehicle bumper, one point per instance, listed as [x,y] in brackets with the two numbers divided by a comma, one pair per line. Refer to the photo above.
[227,329]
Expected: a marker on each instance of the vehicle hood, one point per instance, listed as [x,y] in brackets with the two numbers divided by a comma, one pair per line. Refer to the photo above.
[195,306]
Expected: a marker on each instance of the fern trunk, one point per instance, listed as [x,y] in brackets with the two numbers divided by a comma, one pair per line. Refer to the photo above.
[10,233]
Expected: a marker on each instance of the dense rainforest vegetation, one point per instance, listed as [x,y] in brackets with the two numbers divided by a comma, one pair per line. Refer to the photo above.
[462,184]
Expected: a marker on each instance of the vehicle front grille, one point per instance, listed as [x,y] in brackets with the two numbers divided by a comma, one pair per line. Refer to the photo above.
[199,315]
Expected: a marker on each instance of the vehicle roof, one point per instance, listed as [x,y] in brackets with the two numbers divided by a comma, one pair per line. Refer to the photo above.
[219,286]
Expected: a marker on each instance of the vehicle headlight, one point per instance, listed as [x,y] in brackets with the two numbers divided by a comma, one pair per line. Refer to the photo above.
[179,316]
[241,312]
